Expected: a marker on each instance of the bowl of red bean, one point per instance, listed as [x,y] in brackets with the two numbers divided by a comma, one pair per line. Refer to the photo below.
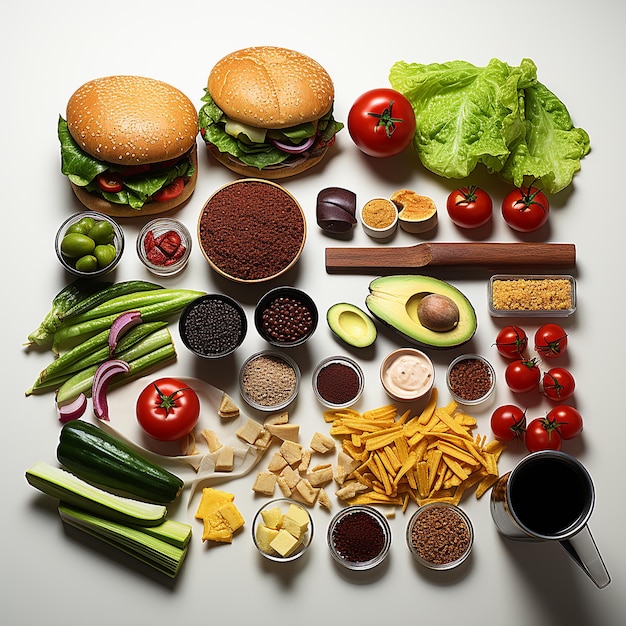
[440,535]
[471,379]
[286,317]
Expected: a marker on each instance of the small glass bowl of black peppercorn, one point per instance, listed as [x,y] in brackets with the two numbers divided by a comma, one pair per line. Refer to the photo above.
[213,326]
[286,317]
[440,536]
[359,537]
[471,379]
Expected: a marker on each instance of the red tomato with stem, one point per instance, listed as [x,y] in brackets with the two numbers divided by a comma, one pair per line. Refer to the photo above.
[569,421]
[171,191]
[168,409]
[511,342]
[550,341]
[469,207]
[558,384]
[381,122]
[525,209]
[542,434]
[522,375]
[508,422]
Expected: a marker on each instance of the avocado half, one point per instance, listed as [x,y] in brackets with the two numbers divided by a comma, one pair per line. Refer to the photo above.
[351,325]
[394,301]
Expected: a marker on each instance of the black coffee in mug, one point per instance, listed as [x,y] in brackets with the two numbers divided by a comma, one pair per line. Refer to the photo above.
[550,496]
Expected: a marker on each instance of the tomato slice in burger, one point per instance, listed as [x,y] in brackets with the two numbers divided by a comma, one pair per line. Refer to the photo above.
[110,182]
[173,190]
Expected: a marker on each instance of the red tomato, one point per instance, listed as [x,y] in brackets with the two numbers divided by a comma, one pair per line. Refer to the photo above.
[469,207]
[525,209]
[381,122]
[522,375]
[558,384]
[511,342]
[508,422]
[550,341]
[174,189]
[569,421]
[542,434]
[110,182]
[168,409]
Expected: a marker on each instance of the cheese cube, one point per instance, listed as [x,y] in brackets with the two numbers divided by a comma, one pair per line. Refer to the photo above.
[273,518]
[286,432]
[277,463]
[265,483]
[322,443]
[284,543]
[292,451]
[296,521]
[250,431]
[264,537]
[225,461]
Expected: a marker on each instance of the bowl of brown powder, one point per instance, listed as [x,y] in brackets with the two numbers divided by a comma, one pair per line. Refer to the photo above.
[251,230]
[471,379]
[440,536]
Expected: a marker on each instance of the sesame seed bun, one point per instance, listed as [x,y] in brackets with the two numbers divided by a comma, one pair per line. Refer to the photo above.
[131,120]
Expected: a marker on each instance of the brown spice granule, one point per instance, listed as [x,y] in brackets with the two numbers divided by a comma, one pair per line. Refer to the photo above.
[268,380]
[379,213]
[440,535]
[550,294]
[470,379]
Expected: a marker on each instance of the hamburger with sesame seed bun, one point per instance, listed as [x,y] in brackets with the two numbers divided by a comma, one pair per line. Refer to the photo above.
[128,146]
[268,112]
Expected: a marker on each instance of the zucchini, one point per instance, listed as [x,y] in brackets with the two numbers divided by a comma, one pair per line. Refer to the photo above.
[64,486]
[102,459]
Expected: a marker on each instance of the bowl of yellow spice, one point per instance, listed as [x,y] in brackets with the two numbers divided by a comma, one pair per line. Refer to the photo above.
[379,218]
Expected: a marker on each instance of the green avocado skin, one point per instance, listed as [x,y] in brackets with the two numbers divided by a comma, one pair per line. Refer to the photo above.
[394,300]
[351,324]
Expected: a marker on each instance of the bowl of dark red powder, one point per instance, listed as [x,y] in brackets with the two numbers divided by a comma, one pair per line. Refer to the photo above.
[251,230]
[213,326]
[440,535]
[471,379]
[338,382]
[359,537]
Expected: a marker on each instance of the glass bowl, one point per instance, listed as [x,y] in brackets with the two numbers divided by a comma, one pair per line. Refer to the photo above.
[286,317]
[282,530]
[359,537]
[338,382]
[213,326]
[164,246]
[269,380]
[440,536]
[471,379]
[80,224]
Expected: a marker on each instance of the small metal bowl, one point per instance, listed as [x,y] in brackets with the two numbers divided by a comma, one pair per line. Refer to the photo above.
[261,536]
[286,317]
[351,534]
[437,547]
[409,384]
[261,381]
[169,263]
[338,398]
[213,326]
[455,374]
[69,263]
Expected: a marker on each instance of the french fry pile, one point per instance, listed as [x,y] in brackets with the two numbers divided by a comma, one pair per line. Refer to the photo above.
[430,457]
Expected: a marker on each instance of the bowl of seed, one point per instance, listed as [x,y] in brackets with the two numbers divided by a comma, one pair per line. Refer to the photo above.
[440,536]
[213,326]
[269,381]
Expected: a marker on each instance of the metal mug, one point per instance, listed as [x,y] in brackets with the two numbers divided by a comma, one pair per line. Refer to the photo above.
[549,496]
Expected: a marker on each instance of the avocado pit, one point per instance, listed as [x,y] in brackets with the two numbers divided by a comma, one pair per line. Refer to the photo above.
[438,313]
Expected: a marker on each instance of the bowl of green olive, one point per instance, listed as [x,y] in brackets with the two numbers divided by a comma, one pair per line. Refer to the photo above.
[89,244]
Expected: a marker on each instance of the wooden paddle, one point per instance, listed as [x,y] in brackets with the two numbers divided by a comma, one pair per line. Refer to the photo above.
[496,255]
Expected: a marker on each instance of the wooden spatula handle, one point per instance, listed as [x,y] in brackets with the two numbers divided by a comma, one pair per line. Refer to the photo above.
[503,254]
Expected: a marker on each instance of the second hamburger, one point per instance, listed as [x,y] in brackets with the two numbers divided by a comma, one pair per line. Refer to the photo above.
[268,112]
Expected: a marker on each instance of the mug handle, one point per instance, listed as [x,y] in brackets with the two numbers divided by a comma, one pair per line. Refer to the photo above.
[582,549]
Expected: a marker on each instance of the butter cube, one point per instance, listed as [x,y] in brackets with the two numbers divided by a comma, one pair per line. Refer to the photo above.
[284,543]
[296,521]
[264,537]
[272,518]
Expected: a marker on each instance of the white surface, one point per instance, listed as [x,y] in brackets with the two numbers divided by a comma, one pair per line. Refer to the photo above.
[49,49]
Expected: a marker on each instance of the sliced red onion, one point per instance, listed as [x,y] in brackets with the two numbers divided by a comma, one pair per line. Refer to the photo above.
[100,385]
[73,410]
[288,147]
[122,324]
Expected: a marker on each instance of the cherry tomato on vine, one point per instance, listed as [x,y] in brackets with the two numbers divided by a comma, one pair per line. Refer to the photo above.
[508,422]
[525,209]
[511,342]
[173,190]
[381,122]
[168,409]
[469,207]
[569,421]
[522,375]
[550,341]
[558,384]
[542,434]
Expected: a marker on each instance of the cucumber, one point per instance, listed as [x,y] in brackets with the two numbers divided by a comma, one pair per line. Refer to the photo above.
[65,487]
[101,459]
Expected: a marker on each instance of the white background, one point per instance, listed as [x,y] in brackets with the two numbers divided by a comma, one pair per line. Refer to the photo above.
[49,49]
